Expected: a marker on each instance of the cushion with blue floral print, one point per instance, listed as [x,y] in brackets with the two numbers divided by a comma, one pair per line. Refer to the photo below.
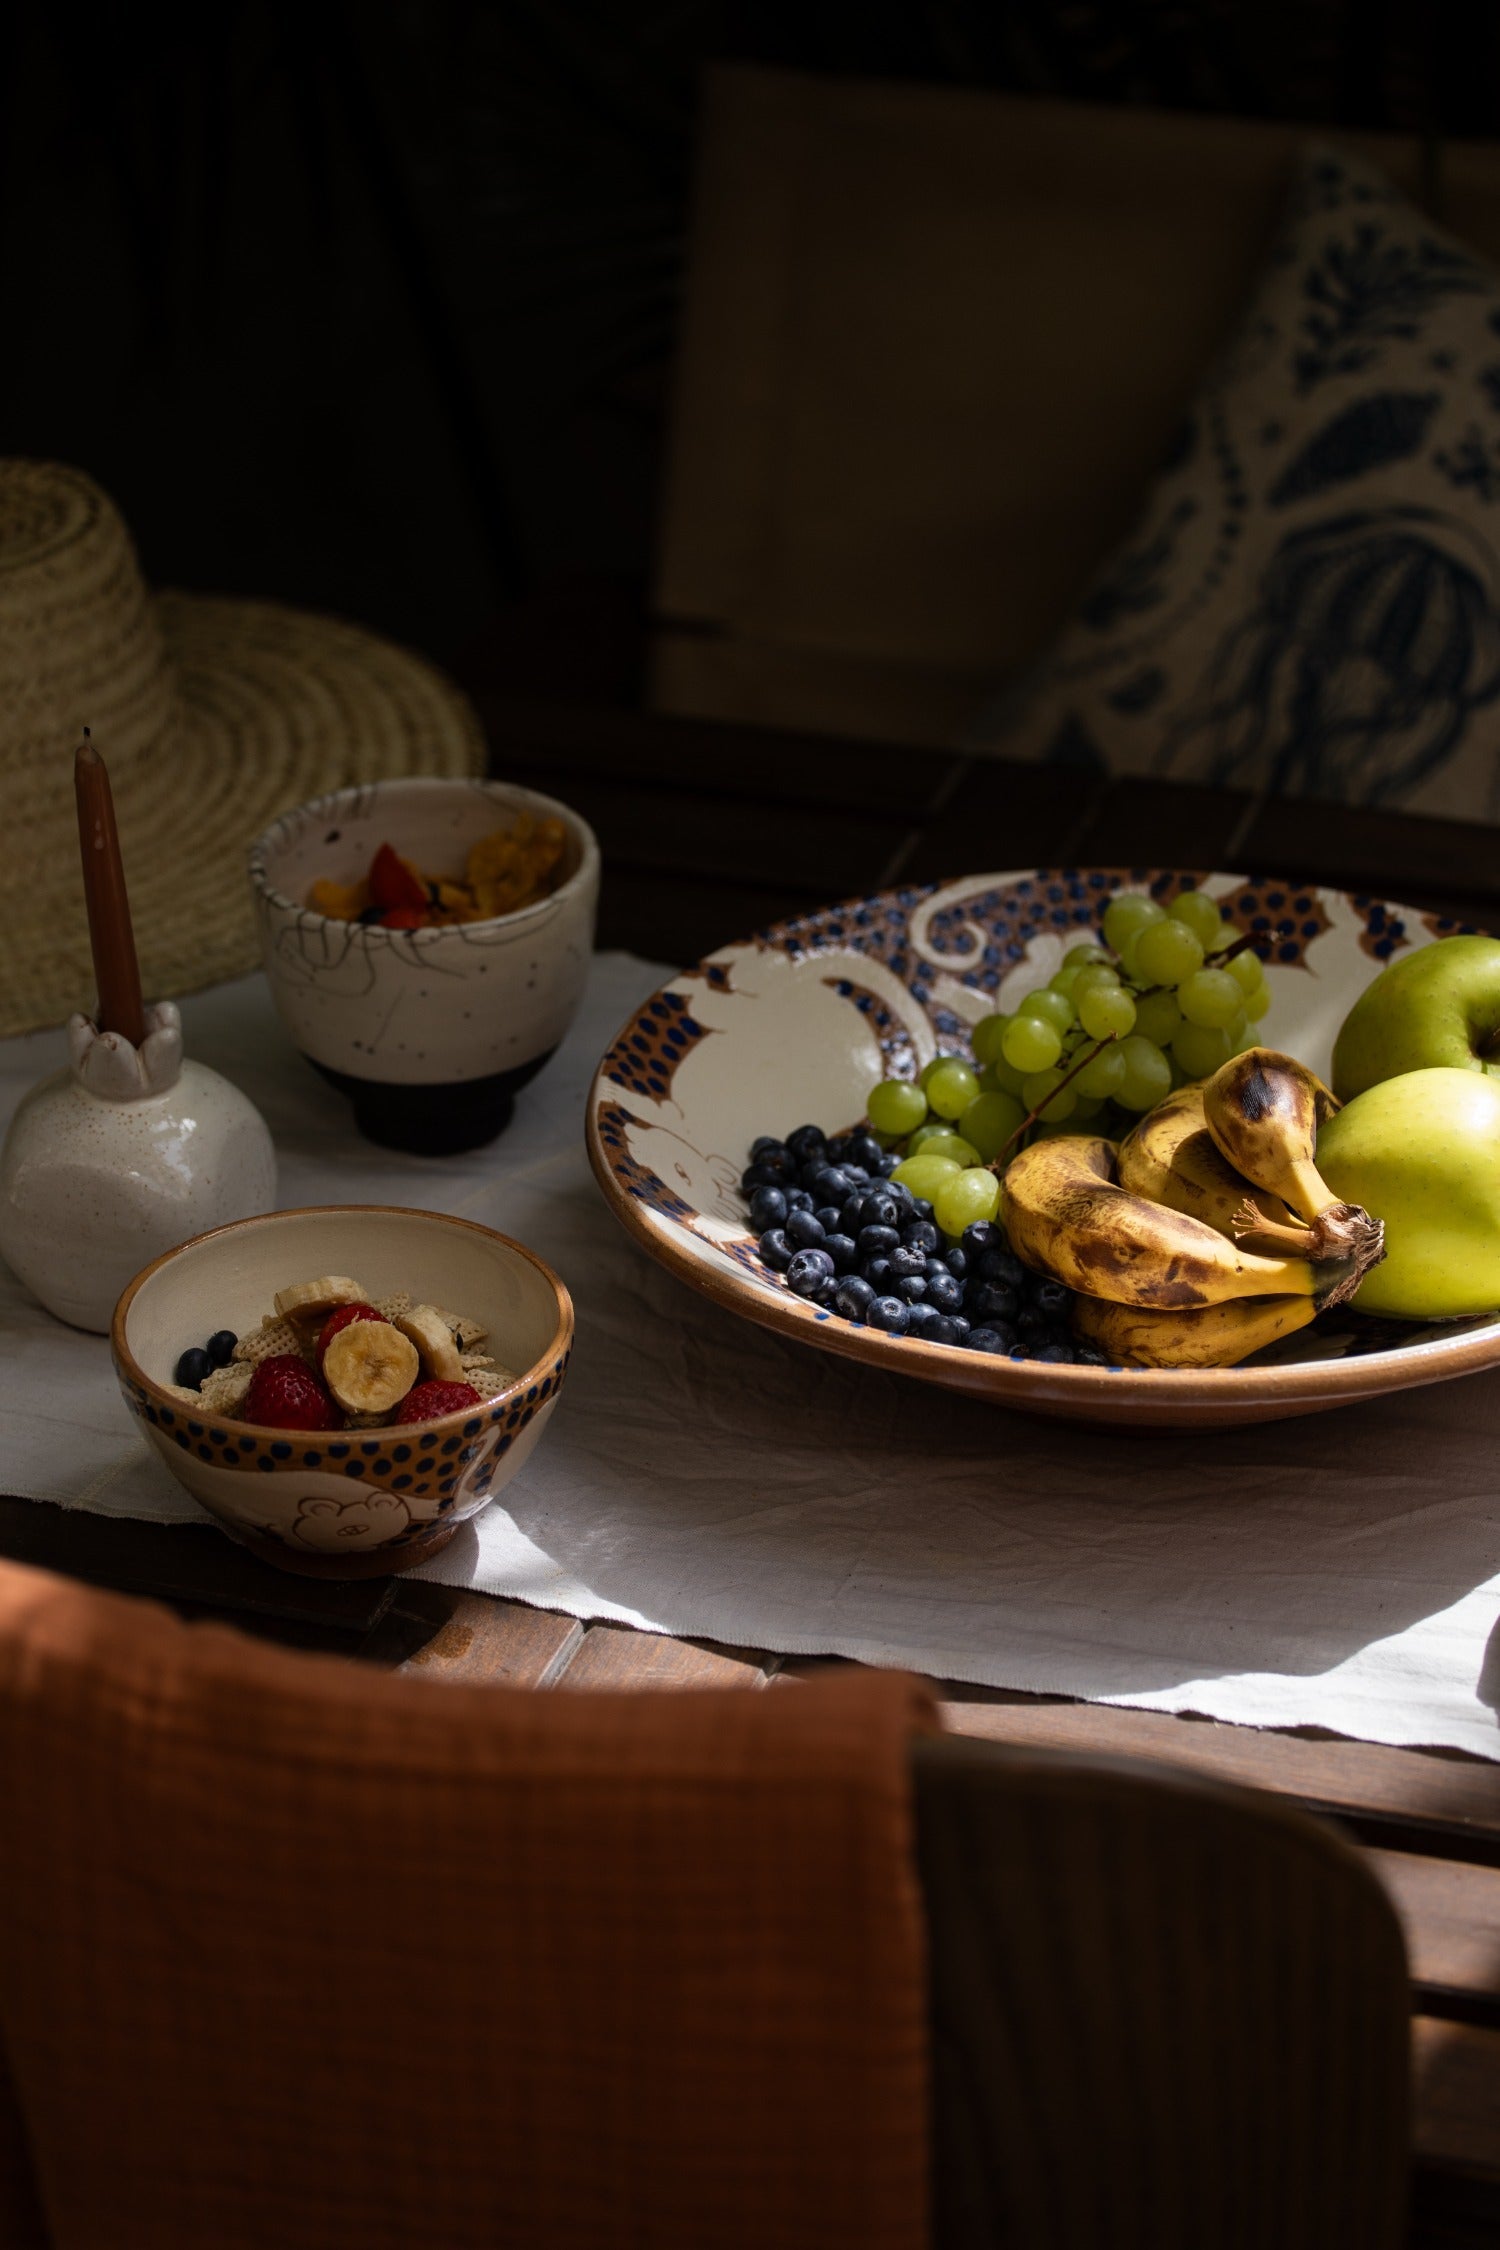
[1310,604]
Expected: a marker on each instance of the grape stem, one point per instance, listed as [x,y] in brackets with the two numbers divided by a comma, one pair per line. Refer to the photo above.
[1231,952]
[1027,1122]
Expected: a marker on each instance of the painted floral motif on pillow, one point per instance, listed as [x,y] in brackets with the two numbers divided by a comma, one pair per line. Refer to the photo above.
[1310,605]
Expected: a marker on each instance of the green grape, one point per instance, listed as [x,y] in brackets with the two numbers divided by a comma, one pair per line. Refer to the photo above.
[951,1089]
[986,1036]
[990,1122]
[1166,953]
[1198,913]
[924,1133]
[895,1106]
[1242,1034]
[959,1203]
[924,1175]
[1246,970]
[1064,982]
[1046,1006]
[1127,914]
[1000,1077]
[1030,1044]
[1100,1078]
[1257,1002]
[1201,1049]
[1210,998]
[1147,1077]
[1105,1011]
[1099,976]
[1157,1017]
[1086,1108]
[943,1141]
[1084,957]
[1040,1093]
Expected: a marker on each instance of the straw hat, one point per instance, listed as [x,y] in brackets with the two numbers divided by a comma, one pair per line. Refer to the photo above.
[213,716]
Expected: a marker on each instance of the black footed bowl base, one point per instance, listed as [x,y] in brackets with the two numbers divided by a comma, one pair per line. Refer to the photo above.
[437,1120]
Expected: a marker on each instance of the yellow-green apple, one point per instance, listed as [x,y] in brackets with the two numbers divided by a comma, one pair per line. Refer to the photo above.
[1435,1008]
[1422,1152]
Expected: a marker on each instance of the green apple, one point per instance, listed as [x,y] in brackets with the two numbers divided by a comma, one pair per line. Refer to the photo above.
[1436,1008]
[1422,1152]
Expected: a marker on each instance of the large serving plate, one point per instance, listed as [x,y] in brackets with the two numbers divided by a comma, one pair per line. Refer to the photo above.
[796,1024]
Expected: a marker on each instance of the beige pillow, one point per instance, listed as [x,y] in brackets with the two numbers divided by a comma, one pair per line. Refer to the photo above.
[1308,606]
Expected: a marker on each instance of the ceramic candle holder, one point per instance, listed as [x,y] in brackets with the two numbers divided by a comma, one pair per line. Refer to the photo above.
[120,1156]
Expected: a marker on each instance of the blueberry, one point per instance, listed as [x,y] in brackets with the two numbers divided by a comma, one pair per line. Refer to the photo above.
[831,1184]
[775,1250]
[1058,1354]
[920,1207]
[919,1318]
[882,1209]
[888,1163]
[764,1173]
[220,1346]
[838,1147]
[890,1314]
[763,1145]
[810,1274]
[193,1369]
[982,1235]
[805,1230]
[911,1286]
[855,1172]
[1002,1266]
[1032,1324]
[798,1199]
[988,1340]
[960,1323]
[852,1217]
[957,1262]
[873,1241]
[864,1149]
[991,1300]
[1052,1298]
[922,1235]
[767,1208]
[899,1193]
[906,1260]
[941,1330]
[944,1292]
[808,1140]
[853,1297]
[877,1271]
[840,1247]
[829,1217]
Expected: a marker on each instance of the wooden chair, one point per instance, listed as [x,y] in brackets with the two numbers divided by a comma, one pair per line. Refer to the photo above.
[933,348]
[1166,2014]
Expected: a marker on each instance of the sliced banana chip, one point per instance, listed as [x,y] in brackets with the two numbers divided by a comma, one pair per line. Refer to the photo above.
[428,1330]
[370,1366]
[306,1299]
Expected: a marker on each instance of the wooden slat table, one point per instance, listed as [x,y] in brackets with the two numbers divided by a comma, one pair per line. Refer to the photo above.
[709,831]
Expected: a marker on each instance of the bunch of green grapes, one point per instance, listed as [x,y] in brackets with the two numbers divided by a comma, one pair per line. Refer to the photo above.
[1157,990]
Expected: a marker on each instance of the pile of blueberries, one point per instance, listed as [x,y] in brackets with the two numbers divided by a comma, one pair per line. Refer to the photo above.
[847,1236]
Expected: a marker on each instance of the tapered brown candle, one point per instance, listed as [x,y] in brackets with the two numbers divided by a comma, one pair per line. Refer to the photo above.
[115,970]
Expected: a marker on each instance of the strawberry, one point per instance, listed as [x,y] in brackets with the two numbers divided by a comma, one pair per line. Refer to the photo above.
[285,1394]
[425,1402]
[338,1320]
[393,883]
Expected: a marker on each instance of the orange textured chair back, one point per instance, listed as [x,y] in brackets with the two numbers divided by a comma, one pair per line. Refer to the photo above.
[294,1953]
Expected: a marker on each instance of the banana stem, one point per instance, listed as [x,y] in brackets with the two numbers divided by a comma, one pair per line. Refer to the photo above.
[997,1165]
[1267,1237]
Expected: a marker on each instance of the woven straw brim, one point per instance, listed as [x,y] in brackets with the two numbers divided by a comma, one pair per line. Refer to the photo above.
[273,706]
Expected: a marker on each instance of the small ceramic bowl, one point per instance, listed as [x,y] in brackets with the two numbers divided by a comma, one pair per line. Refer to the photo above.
[357,1503]
[430,1033]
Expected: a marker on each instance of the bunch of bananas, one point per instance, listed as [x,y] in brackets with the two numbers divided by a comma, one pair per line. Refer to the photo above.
[1206,1233]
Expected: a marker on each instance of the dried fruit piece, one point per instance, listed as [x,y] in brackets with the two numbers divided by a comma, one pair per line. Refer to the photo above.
[285,1394]
[369,1365]
[428,1330]
[341,902]
[394,882]
[427,1401]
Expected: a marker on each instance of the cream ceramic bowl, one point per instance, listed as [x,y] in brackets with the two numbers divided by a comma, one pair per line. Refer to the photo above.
[431,1033]
[798,1022]
[357,1503]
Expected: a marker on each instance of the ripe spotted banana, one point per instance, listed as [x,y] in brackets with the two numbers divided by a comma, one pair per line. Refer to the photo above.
[428,1330]
[1171,1156]
[370,1366]
[1218,1336]
[1066,1214]
[1263,1110]
[314,1300]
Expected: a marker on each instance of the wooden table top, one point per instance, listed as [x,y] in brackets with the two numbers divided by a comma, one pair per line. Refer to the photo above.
[710,831]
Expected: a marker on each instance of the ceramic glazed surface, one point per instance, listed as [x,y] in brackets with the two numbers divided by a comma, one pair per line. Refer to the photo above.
[360,1501]
[797,1023]
[421,1007]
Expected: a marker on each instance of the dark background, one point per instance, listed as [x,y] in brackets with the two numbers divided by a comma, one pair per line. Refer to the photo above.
[371,306]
